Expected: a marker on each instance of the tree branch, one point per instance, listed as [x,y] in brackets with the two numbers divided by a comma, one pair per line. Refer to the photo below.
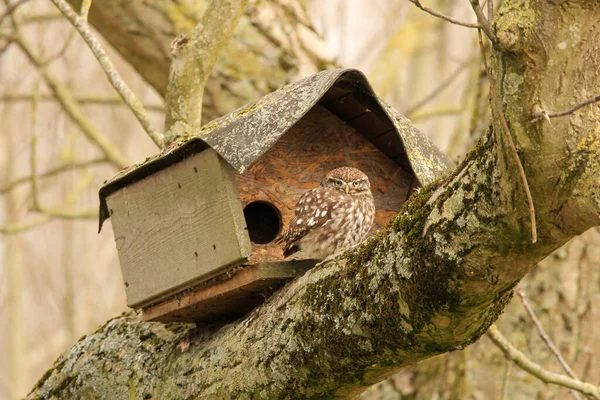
[81,99]
[136,106]
[432,281]
[12,229]
[442,16]
[537,370]
[194,57]
[543,334]
[53,172]
[56,212]
[484,24]
[546,115]
[69,103]
[437,90]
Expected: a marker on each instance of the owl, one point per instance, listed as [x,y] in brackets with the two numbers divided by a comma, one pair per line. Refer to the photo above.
[333,217]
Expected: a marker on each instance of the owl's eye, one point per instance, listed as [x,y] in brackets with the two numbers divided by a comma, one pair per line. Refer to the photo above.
[337,183]
[356,184]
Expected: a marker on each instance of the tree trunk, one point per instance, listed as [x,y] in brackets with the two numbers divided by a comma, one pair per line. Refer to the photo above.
[431,282]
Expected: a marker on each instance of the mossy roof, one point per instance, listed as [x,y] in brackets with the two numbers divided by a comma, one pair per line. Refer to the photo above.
[244,135]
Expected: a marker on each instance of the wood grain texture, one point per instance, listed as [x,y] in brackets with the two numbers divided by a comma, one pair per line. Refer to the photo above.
[245,290]
[177,227]
[299,161]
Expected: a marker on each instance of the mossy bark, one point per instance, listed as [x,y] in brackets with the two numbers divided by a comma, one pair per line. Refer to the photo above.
[431,282]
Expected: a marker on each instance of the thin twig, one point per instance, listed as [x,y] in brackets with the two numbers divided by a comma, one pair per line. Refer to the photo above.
[490,5]
[55,212]
[14,229]
[484,24]
[109,69]
[11,8]
[70,105]
[435,112]
[506,379]
[546,115]
[512,354]
[498,107]
[436,91]
[442,16]
[82,99]
[41,18]
[543,334]
[52,172]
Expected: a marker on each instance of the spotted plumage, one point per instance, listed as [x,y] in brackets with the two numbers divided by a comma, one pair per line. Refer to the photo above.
[333,217]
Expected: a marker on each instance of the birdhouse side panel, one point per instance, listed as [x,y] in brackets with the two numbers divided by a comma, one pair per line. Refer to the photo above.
[178,227]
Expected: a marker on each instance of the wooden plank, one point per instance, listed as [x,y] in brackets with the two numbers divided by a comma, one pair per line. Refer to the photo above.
[178,227]
[245,290]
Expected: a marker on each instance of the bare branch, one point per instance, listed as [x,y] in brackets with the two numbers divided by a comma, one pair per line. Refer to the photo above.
[194,57]
[435,112]
[543,334]
[14,229]
[436,91]
[85,9]
[82,99]
[546,115]
[498,107]
[109,69]
[442,16]
[69,103]
[11,8]
[55,212]
[512,354]
[484,24]
[506,379]
[53,172]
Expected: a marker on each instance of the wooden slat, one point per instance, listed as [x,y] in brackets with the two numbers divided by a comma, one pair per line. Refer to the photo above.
[245,290]
[177,227]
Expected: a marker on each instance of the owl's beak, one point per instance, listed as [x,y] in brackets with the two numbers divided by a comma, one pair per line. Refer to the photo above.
[346,188]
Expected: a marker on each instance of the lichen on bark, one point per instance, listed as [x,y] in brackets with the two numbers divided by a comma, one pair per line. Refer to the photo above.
[432,281]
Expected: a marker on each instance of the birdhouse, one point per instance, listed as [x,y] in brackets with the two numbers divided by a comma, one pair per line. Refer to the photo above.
[196,226]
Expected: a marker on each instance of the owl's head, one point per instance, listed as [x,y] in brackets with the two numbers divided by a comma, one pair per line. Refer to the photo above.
[347,179]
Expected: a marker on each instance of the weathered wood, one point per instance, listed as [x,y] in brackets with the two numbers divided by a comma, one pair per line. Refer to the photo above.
[177,227]
[299,161]
[245,290]
[244,136]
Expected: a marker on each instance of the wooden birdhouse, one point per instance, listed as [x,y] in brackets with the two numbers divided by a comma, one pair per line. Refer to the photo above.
[195,226]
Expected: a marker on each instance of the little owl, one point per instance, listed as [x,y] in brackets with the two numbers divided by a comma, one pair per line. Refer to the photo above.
[333,217]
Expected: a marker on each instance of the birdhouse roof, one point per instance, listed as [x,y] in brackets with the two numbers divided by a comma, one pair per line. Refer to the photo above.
[244,135]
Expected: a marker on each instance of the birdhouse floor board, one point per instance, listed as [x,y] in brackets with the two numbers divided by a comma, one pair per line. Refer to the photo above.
[247,288]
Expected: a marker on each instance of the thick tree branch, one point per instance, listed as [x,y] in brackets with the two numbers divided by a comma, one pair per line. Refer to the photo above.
[194,56]
[434,280]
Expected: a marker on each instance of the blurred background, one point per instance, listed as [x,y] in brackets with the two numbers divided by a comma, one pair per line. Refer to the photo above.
[64,131]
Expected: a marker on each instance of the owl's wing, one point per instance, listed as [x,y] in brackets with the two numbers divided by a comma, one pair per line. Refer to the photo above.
[311,212]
